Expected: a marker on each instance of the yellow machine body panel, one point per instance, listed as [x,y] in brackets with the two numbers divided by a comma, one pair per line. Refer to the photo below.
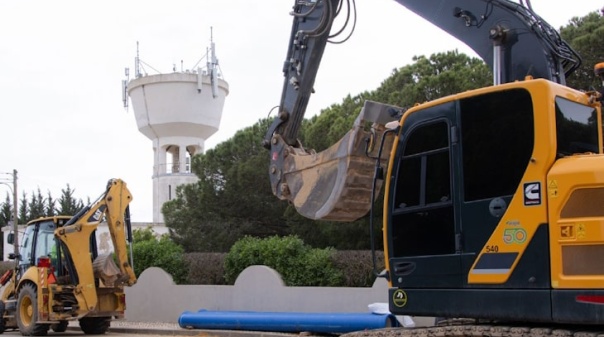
[575,188]
[523,215]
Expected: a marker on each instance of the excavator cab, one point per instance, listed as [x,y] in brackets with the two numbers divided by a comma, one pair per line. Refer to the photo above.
[486,193]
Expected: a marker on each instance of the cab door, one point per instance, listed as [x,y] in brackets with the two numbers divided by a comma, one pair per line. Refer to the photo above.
[423,212]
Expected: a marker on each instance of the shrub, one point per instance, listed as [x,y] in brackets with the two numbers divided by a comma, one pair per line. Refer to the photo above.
[160,252]
[205,268]
[298,264]
[356,266]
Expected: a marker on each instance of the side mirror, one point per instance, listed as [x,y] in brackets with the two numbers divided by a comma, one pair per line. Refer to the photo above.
[10,238]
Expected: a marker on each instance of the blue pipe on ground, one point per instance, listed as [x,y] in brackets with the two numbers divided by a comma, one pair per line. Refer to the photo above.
[285,321]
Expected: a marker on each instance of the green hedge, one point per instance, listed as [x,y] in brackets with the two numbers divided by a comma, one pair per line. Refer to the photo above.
[162,252]
[355,266]
[298,264]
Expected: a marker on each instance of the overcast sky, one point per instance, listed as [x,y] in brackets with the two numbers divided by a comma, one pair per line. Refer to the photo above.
[62,62]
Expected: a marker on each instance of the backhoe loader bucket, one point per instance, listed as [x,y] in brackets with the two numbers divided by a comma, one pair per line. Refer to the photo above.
[336,184]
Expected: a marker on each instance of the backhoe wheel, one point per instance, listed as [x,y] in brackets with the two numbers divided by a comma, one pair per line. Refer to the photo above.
[59,327]
[95,325]
[27,312]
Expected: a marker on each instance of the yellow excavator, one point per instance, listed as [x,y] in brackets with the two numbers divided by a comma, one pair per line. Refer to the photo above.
[493,209]
[59,275]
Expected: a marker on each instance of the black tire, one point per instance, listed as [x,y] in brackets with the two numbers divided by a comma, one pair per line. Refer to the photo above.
[59,327]
[27,312]
[95,325]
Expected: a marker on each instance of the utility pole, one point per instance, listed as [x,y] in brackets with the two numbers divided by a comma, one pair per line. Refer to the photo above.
[15,215]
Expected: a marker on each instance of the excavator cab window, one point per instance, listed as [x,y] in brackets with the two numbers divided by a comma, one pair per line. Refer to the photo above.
[576,128]
[497,142]
[423,194]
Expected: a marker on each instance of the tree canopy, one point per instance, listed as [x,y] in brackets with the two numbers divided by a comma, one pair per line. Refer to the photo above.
[586,36]
[34,205]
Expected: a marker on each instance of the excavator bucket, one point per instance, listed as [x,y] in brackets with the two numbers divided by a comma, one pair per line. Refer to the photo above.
[336,184]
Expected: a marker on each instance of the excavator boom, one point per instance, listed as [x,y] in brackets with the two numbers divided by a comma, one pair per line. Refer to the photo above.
[511,38]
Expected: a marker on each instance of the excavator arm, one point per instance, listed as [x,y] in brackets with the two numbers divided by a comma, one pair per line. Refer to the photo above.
[338,184]
[75,240]
[334,184]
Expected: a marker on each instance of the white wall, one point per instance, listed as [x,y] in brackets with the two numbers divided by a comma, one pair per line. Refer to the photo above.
[155,297]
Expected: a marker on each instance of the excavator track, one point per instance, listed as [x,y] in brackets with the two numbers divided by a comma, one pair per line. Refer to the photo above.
[482,330]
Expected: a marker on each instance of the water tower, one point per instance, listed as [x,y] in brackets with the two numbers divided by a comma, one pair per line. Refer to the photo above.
[178,111]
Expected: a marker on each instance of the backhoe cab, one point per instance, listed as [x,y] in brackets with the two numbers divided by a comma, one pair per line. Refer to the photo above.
[59,275]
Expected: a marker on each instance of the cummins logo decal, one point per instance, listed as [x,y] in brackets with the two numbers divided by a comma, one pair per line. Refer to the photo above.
[532,194]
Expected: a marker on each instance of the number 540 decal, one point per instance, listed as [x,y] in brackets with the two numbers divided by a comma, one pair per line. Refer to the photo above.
[514,235]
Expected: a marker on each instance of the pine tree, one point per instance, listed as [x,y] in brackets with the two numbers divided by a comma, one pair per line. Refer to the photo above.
[50,207]
[23,211]
[36,207]
[68,205]
[6,211]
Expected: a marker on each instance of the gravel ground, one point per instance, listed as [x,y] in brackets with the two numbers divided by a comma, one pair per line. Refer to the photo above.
[173,329]
[144,328]
[136,325]
[145,325]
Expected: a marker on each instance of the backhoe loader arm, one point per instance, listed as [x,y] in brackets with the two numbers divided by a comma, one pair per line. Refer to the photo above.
[117,214]
[75,238]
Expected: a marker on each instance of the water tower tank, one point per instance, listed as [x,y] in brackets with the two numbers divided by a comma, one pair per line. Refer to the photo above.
[178,111]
